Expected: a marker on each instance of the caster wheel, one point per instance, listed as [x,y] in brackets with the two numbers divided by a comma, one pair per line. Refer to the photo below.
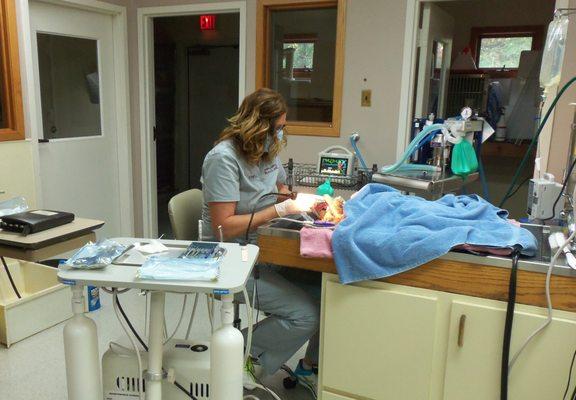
[290,383]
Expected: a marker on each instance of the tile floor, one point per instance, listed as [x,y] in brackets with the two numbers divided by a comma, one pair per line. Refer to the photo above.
[34,368]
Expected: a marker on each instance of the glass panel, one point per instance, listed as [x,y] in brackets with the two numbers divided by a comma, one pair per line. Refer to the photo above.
[503,52]
[69,86]
[301,61]
[436,72]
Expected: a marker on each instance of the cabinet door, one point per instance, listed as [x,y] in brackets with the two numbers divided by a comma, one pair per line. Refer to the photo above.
[473,367]
[378,343]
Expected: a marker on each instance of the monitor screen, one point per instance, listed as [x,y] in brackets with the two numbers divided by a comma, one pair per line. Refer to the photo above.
[334,165]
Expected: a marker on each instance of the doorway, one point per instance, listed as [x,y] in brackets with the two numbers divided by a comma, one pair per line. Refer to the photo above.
[196,77]
[195,82]
[468,55]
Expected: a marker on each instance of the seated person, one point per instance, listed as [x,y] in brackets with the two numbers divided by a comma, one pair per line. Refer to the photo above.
[242,167]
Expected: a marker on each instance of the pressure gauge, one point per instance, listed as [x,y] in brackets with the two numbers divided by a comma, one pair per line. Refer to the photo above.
[466,113]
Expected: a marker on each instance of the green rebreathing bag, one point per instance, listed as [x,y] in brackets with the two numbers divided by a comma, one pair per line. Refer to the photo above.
[464,161]
[325,188]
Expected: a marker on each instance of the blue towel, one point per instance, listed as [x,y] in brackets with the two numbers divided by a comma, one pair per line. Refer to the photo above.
[386,233]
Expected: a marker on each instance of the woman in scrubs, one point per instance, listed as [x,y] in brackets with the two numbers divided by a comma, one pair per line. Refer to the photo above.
[242,167]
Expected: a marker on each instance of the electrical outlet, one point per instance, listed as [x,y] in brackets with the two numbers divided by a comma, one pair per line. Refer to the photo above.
[366,98]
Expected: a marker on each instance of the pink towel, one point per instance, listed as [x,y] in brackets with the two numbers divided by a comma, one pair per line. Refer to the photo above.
[316,242]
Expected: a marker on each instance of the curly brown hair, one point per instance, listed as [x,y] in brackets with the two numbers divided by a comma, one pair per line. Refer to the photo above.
[252,122]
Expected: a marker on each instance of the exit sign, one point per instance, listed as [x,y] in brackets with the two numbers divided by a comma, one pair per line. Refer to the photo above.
[207,22]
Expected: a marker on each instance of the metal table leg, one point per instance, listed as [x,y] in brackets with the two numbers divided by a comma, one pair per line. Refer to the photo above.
[154,374]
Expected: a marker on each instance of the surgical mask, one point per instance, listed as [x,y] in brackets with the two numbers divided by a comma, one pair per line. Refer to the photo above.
[268,141]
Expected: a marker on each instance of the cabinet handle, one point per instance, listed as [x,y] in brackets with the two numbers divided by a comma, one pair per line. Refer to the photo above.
[461,330]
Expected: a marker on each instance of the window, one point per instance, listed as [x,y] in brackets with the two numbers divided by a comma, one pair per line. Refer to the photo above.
[300,54]
[502,52]
[11,109]
[69,86]
[499,49]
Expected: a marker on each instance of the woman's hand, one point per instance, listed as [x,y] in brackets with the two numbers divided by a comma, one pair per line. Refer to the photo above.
[284,190]
[224,214]
[288,207]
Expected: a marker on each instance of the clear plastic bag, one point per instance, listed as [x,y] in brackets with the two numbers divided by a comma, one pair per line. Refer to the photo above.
[553,55]
[464,161]
[180,269]
[13,206]
[95,255]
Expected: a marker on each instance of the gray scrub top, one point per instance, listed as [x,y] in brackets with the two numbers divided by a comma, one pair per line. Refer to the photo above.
[227,177]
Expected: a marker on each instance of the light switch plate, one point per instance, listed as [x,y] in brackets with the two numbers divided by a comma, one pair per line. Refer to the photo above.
[366,98]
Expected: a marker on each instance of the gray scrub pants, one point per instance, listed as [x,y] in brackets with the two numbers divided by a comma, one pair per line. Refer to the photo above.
[291,299]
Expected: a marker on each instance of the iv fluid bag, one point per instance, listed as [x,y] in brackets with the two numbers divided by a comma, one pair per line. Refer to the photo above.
[553,55]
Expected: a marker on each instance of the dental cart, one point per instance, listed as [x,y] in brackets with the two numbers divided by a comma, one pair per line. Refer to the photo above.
[226,351]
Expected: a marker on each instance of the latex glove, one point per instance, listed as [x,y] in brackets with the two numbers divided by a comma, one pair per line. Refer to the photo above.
[288,207]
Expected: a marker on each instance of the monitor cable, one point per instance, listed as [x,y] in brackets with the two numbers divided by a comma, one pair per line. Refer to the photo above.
[570,378]
[509,324]
[10,278]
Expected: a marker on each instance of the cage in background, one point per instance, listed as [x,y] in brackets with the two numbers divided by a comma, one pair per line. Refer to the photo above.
[466,90]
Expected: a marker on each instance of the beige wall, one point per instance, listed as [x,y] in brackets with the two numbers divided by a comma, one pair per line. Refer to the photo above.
[17,171]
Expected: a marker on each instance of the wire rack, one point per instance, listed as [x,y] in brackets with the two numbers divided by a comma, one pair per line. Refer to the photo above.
[307,175]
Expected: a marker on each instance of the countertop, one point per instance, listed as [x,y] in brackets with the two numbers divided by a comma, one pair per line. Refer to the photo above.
[539,263]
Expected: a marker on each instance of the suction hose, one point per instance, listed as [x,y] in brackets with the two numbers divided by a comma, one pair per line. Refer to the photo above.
[353,139]
[412,147]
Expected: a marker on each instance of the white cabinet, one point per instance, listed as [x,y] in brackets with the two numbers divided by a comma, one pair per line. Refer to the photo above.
[382,341]
[473,367]
[378,343]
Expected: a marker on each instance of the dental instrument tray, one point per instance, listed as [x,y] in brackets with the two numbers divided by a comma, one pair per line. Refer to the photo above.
[29,222]
[200,262]
[307,175]
[204,251]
